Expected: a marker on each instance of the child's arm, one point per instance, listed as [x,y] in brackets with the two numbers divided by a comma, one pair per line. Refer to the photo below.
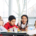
[23,29]
[3,29]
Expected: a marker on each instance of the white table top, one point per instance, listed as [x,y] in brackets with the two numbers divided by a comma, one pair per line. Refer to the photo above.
[31,32]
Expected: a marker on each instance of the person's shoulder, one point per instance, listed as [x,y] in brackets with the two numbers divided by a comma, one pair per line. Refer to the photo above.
[3,29]
[15,25]
[7,23]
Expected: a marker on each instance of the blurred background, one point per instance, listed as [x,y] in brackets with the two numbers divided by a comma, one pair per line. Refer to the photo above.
[18,8]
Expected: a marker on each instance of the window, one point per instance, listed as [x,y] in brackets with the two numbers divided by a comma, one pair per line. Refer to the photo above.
[31,8]
[18,8]
[4,5]
[4,8]
[31,11]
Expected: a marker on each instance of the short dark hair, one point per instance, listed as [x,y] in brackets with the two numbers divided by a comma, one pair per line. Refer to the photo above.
[11,17]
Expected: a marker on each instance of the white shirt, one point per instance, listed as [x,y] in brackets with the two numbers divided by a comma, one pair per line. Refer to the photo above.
[22,25]
[2,29]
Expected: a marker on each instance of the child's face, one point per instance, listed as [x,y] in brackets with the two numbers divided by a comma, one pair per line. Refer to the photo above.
[12,22]
[24,19]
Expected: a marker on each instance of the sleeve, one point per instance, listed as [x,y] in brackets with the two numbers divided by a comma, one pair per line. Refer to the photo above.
[3,29]
[6,26]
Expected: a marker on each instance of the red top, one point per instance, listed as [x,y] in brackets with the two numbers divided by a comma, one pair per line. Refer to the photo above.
[8,26]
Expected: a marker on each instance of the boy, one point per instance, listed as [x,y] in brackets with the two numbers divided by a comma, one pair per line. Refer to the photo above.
[11,22]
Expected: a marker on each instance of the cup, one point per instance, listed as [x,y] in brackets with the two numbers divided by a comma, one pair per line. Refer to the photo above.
[11,29]
[15,30]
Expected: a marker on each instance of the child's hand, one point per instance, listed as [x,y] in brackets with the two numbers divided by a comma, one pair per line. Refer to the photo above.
[14,27]
[8,29]
[18,29]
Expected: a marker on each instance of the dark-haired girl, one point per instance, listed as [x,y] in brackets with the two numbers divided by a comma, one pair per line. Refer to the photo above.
[23,24]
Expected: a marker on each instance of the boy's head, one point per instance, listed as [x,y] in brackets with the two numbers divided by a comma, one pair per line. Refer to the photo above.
[12,19]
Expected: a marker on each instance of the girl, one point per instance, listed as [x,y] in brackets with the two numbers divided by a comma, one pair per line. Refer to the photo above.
[23,24]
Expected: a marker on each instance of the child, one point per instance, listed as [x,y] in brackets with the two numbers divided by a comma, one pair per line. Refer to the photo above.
[2,29]
[11,22]
[23,24]
[1,25]
[35,26]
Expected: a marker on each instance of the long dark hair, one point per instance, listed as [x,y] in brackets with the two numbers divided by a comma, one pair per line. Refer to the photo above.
[27,19]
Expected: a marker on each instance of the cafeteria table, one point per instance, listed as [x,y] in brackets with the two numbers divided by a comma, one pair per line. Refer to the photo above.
[10,33]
